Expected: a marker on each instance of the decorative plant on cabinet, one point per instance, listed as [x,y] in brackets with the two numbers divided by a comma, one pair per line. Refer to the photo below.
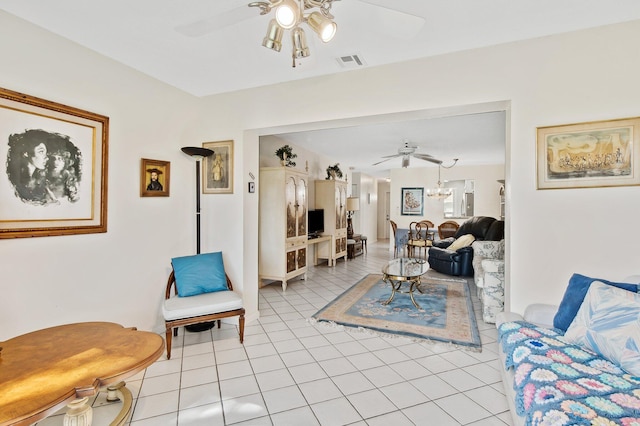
[334,171]
[286,155]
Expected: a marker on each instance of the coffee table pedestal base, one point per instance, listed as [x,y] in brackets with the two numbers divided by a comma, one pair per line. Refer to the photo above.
[395,288]
[80,413]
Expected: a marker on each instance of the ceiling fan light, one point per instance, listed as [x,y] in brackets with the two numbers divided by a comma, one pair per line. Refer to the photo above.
[273,39]
[287,14]
[405,161]
[323,26]
[299,40]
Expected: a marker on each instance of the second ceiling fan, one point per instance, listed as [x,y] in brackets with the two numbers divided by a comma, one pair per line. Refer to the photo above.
[406,152]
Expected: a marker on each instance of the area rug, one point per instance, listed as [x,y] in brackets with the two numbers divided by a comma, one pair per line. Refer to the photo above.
[446,313]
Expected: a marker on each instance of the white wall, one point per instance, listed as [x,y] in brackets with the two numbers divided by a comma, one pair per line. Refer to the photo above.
[119,276]
[382,188]
[554,80]
[365,221]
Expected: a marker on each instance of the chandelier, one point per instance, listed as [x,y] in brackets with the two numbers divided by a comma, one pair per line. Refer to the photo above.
[289,15]
[441,193]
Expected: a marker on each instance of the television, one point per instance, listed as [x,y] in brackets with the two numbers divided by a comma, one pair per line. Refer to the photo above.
[315,222]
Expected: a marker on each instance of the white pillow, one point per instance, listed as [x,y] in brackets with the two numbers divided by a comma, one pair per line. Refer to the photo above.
[608,322]
[464,241]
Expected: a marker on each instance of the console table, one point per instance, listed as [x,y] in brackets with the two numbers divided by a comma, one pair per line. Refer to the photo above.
[317,240]
[42,371]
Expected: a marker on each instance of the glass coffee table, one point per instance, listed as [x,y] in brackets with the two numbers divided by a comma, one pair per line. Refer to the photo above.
[404,271]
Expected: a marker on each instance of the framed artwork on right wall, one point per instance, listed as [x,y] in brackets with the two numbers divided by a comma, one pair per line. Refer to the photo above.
[589,155]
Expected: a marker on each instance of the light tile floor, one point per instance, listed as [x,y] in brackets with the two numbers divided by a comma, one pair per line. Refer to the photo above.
[289,372]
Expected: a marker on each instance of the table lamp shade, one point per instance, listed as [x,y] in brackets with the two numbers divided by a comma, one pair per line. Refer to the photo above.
[353,204]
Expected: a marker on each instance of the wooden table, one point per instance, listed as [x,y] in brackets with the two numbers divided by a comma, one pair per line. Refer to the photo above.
[42,371]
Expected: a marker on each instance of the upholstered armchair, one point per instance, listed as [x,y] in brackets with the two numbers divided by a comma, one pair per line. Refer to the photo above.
[488,265]
[451,257]
[202,293]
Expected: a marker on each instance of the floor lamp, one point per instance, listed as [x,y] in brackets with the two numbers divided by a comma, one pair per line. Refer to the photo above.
[198,154]
[353,205]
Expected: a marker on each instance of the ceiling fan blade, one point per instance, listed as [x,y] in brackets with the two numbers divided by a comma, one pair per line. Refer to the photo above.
[392,156]
[375,164]
[419,154]
[215,23]
[427,157]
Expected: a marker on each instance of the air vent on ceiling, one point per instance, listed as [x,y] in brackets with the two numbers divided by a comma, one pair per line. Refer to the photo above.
[351,61]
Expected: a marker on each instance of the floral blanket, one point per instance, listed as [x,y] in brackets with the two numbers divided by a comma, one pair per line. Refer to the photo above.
[558,383]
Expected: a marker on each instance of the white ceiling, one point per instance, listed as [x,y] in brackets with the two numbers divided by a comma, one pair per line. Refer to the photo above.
[474,138]
[149,35]
[207,47]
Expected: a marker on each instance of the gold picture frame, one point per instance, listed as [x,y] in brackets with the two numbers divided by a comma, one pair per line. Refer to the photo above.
[589,155]
[56,161]
[154,178]
[217,176]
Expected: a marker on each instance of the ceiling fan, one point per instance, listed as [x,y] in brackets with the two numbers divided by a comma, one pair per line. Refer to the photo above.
[375,14]
[406,152]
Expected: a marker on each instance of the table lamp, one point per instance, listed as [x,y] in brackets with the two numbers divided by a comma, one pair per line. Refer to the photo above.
[353,205]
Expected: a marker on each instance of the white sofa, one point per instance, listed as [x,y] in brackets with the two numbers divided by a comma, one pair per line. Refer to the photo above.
[488,275]
[541,315]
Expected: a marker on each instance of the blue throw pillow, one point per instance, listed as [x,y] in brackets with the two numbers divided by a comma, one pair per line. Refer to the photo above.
[574,295]
[202,273]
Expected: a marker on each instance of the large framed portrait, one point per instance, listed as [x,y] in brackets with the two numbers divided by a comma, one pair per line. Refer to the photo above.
[55,160]
[217,177]
[154,178]
[588,155]
[412,202]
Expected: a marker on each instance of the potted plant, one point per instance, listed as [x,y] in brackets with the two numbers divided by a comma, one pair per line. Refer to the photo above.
[286,155]
[334,171]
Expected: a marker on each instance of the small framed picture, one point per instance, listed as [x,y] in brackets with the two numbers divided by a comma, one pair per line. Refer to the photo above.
[154,178]
[412,201]
[217,176]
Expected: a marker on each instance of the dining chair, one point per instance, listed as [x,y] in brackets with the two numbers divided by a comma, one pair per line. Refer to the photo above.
[394,227]
[447,229]
[420,237]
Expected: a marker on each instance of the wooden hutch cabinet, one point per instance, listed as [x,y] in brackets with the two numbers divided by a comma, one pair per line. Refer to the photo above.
[282,240]
[331,196]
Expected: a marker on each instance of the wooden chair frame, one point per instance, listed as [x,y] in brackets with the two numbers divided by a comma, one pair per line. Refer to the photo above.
[448,229]
[415,238]
[174,324]
[394,228]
